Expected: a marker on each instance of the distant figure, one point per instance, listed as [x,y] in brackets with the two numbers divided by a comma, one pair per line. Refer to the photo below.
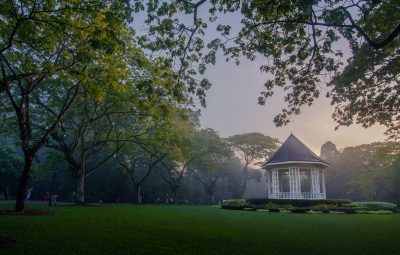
[54,199]
[28,194]
[46,196]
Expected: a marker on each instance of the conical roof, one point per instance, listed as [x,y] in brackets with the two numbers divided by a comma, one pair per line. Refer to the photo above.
[294,151]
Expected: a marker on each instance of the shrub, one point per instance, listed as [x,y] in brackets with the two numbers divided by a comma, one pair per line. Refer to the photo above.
[274,210]
[235,202]
[249,208]
[375,212]
[300,209]
[374,206]
[271,205]
[298,202]
[348,210]
[232,207]
[323,207]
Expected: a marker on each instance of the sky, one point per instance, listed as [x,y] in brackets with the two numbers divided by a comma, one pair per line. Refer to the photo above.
[232,105]
[232,108]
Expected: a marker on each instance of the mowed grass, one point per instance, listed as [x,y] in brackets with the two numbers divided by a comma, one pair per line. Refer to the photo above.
[197,230]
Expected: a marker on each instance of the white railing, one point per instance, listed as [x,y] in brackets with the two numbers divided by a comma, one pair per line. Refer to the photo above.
[298,195]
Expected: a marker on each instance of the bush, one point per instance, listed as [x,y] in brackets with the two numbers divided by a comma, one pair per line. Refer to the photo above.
[375,212]
[235,202]
[300,209]
[274,210]
[233,207]
[249,208]
[271,205]
[348,210]
[374,206]
[298,202]
[325,208]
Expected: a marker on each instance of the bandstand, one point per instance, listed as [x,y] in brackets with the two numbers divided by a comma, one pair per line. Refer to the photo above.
[295,172]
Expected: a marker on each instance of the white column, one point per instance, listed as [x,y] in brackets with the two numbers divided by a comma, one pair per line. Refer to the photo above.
[315,184]
[275,183]
[292,187]
[323,184]
[312,183]
[268,183]
[298,182]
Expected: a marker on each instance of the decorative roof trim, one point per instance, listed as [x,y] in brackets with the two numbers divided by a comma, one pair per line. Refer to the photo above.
[295,162]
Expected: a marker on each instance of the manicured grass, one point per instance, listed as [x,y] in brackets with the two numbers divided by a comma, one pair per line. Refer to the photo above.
[197,230]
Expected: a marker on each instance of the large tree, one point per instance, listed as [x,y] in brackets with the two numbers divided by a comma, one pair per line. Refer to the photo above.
[251,148]
[56,46]
[139,162]
[87,137]
[212,167]
[306,44]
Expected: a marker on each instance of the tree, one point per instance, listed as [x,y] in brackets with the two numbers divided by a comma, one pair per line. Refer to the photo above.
[209,168]
[179,145]
[328,149]
[380,176]
[56,46]
[88,136]
[302,41]
[362,172]
[140,158]
[252,147]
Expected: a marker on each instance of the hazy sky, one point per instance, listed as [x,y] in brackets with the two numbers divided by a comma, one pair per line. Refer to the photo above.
[232,108]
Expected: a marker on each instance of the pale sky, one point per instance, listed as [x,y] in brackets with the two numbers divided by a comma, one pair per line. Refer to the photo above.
[232,108]
[232,104]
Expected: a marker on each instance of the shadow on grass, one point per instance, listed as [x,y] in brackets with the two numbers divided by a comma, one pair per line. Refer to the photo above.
[28,212]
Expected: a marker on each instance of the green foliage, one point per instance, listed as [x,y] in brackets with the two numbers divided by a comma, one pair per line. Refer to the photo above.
[300,209]
[302,42]
[347,210]
[271,205]
[252,148]
[366,172]
[323,207]
[10,169]
[235,202]
[298,202]
[374,206]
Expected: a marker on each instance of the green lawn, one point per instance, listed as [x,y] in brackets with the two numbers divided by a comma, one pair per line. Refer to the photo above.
[197,230]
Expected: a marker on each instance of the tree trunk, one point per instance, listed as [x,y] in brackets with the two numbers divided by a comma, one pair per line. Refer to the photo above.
[244,183]
[139,197]
[23,182]
[81,189]
[174,195]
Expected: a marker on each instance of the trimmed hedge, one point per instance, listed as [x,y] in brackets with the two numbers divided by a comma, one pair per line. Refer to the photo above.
[300,210]
[233,207]
[298,202]
[348,210]
[374,206]
[274,210]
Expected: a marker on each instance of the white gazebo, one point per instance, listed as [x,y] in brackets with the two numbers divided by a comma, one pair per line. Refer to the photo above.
[295,172]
